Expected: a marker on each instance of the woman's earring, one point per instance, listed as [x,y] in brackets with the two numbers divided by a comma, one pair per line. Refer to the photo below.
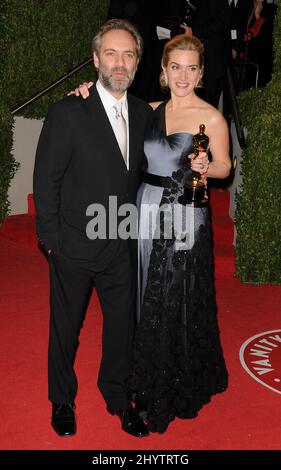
[199,82]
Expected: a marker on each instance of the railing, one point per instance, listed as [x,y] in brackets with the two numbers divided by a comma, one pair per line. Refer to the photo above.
[53,85]
[231,88]
[243,64]
[235,108]
[232,94]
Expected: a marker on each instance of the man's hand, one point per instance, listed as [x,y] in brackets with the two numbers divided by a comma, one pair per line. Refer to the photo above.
[187,29]
[82,90]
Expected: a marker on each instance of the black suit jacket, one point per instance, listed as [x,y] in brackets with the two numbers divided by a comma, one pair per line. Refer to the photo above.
[78,163]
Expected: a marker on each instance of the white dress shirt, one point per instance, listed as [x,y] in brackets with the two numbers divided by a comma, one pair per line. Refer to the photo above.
[108,102]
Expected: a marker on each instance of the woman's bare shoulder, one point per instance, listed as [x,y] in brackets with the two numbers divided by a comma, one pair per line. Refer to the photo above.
[215,117]
[155,104]
[212,114]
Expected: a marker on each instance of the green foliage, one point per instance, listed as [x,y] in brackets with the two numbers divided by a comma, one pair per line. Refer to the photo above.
[258,217]
[8,165]
[7,162]
[40,41]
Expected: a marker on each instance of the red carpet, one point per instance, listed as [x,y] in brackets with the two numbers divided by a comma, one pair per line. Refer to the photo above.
[21,229]
[246,416]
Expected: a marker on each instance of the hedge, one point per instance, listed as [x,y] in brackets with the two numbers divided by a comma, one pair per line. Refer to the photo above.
[40,41]
[258,217]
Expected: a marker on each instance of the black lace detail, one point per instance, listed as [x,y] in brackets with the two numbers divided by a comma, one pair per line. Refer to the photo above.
[178,360]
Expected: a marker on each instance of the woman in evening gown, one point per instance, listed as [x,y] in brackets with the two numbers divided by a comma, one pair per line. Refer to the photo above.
[178,360]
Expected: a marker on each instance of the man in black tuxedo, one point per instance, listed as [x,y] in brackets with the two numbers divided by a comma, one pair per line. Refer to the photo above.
[79,163]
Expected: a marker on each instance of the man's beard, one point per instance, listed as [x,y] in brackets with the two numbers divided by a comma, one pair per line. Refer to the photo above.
[119,84]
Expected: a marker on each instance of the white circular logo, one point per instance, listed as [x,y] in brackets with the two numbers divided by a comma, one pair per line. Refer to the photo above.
[260,356]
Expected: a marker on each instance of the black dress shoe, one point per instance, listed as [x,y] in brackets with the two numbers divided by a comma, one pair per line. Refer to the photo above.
[63,419]
[130,422]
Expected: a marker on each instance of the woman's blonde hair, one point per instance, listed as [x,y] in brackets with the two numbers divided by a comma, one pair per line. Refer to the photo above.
[182,42]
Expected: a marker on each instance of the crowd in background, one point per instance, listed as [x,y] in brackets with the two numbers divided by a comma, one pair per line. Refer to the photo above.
[234,32]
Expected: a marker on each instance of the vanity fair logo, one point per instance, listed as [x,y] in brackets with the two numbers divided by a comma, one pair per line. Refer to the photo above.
[260,356]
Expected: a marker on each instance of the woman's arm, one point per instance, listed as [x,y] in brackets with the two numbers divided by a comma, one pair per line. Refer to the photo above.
[218,134]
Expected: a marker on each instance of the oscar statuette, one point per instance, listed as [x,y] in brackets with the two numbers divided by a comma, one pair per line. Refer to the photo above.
[194,188]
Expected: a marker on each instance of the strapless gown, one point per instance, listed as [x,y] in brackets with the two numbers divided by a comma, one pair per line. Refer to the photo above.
[178,359]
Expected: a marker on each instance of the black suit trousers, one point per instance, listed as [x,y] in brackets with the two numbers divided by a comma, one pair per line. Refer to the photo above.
[71,286]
